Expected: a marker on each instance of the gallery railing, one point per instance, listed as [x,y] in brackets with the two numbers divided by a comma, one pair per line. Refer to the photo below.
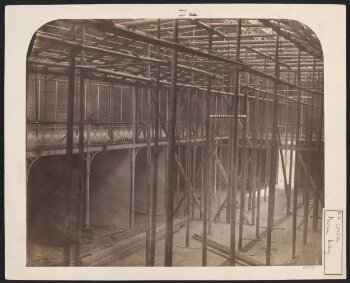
[53,134]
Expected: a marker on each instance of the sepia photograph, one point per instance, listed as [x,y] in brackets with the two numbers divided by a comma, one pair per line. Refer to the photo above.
[178,141]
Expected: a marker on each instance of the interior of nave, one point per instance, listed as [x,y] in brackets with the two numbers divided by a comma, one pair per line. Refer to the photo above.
[174,142]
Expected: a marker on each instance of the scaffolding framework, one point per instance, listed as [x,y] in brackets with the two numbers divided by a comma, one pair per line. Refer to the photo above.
[228,99]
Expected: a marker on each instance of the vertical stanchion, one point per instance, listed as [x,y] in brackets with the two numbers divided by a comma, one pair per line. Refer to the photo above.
[132,187]
[308,141]
[148,169]
[45,96]
[291,151]
[230,158]
[255,154]
[220,157]
[233,185]
[283,167]
[308,155]
[290,169]
[211,169]
[188,166]
[194,163]
[208,158]
[219,183]
[55,104]
[273,163]
[244,172]
[286,151]
[81,155]
[202,182]
[171,155]
[155,159]
[133,157]
[37,101]
[109,111]
[260,167]
[267,136]
[295,193]
[87,166]
[194,166]
[69,150]
[318,166]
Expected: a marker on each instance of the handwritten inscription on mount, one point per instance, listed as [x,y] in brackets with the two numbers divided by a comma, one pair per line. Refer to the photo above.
[333,241]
